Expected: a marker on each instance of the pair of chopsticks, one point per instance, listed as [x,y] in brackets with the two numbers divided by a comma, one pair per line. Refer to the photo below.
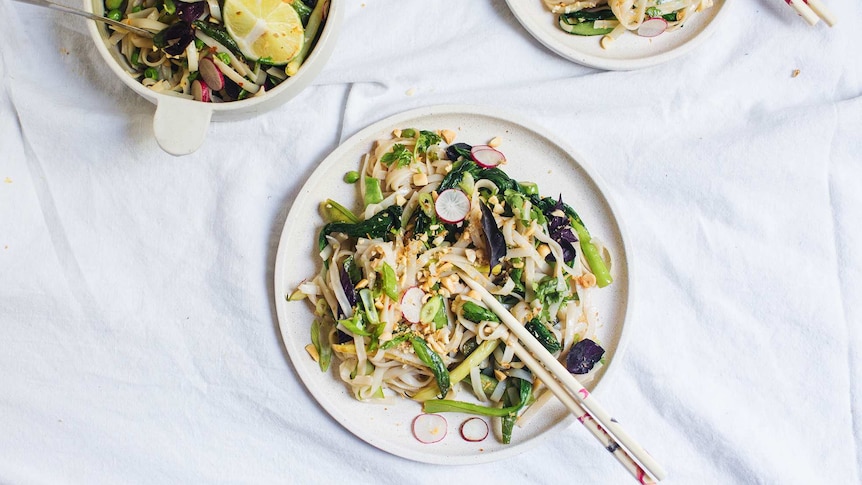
[812,11]
[573,394]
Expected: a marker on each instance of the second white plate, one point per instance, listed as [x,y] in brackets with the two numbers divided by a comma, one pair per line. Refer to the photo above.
[628,52]
[532,156]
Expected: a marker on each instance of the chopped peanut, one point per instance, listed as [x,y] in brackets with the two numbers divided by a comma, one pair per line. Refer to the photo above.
[587,280]
[448,136]
[495,142]
[543,250]
[312,352]
[420,179]
[362,283]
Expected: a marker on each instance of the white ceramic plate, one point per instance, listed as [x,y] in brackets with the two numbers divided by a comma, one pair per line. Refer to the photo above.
[629,51]
[532,156]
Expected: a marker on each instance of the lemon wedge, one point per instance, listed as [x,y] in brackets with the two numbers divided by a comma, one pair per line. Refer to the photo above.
[265,29]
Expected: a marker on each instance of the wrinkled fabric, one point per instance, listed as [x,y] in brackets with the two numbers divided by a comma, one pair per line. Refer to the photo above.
[137,322]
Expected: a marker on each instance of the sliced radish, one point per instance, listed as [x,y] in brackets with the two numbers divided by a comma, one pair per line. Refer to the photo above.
[452,206]
[474,429]
[211,74]
[486,156]
[200,91]
[652,27]
[411,304]
[429,428]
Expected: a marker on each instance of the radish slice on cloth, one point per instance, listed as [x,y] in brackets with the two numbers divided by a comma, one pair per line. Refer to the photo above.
[652,27]
[452,205]
[200,91]
[429,428]
[486,156]
[411,303]
[211,74]
[474,429]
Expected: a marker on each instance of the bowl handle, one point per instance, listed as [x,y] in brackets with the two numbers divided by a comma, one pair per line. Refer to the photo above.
[181,125]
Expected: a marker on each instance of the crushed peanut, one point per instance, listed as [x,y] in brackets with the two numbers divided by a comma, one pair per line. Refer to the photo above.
[495,142]
[312,351]
[587,280]
[362,283]
[448,136]
[420,179]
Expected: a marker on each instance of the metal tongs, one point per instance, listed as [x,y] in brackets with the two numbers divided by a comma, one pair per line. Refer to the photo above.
[85,14]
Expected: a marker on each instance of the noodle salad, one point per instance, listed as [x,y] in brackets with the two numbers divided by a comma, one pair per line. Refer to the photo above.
[391,309]
[612,18]
[215,50]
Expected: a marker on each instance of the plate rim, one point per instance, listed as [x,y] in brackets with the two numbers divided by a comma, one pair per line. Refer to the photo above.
[520,7]
[374,131]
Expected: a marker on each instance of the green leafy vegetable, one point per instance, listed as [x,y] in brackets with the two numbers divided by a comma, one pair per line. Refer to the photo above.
[548,294]
[399,155]
[544,335]
[357,324]
[434,361]
[220,34]
[476,313]
[426,140]
[462,370]
[378,226]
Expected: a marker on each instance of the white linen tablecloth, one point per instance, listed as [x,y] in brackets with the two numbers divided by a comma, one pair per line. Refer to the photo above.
[138,337]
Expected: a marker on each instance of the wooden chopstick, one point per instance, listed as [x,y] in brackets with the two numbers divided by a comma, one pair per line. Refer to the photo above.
[820,9]
[568,385]
[812,11]
[583,417]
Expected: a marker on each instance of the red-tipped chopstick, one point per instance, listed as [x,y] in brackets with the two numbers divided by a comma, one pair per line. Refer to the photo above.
[812,11]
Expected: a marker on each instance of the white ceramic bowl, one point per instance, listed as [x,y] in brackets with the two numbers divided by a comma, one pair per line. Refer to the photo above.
[180,125]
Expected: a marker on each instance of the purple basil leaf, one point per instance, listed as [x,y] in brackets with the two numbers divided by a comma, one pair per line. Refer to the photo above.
[583,356]
[174,39]
[347,285]
[189,12]
[560,230]
[494,239]
[569,252]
